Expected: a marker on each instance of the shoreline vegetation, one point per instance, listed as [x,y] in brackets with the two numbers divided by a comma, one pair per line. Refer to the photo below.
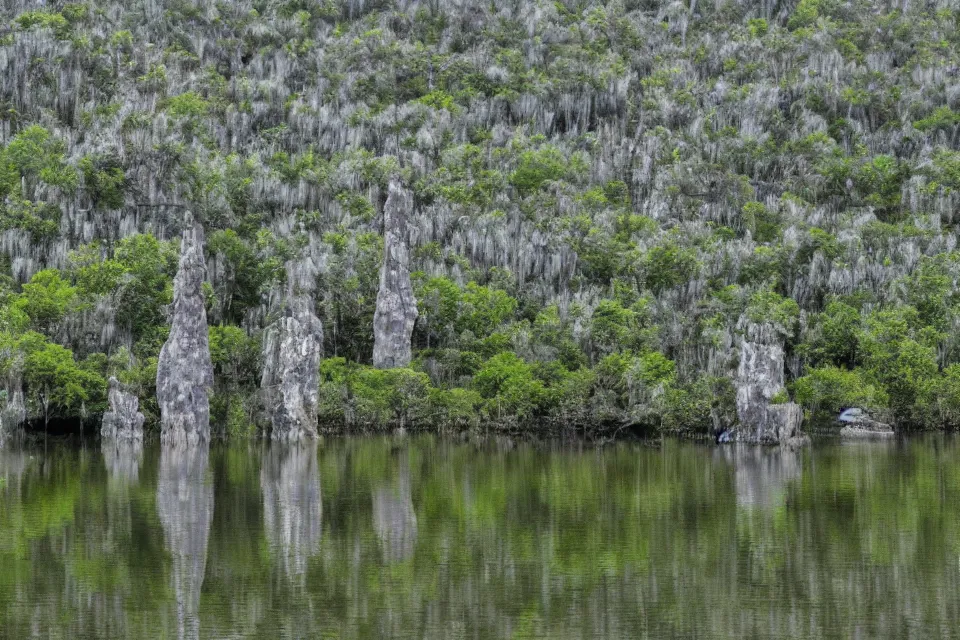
[479,435]
[480,431]
[609,215]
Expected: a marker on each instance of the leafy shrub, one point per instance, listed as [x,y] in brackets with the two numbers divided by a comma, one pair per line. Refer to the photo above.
[104,180]
[509,387]
[187,105]
[828,390]
[668,266]
[536,168]
[46,299]
[767,306]
[45,20]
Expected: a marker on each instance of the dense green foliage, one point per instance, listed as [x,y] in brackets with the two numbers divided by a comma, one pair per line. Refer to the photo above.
[604,192]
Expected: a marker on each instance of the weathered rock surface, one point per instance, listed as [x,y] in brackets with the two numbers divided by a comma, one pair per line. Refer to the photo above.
[123,421]
[857,424]
[759,380]
[396,305]
[292,507]
[857,433]
[866,427]
[185,507]
[184,370]
[292,349]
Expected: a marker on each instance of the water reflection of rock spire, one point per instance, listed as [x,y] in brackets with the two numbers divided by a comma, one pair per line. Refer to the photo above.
[292,505]
[762,474]
[393,516]
[122,458]
[13,465]
[185,506]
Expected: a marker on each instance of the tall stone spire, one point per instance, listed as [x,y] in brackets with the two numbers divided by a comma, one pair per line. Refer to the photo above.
[396,306]
[292,349]
[184,370]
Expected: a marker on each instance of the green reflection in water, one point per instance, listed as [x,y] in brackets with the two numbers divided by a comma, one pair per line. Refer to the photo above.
[426,538]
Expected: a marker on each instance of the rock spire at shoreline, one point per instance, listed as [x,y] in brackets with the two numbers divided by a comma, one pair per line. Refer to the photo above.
[184,370]
[123,421]
[292,349]
[759,381]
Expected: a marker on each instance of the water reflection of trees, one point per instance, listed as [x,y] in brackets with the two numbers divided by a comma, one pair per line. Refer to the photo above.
[79,554]
[14,462]
[625,541]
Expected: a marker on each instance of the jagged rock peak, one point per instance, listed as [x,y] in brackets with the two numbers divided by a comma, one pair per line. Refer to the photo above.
[293,346]
[123,421]
[759,381]
[184,370]
[396,305]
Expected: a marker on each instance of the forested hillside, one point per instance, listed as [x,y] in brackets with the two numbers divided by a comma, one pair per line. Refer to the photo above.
[605,194]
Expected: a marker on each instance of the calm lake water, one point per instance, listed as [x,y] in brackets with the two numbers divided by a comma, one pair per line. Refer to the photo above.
[427,538]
